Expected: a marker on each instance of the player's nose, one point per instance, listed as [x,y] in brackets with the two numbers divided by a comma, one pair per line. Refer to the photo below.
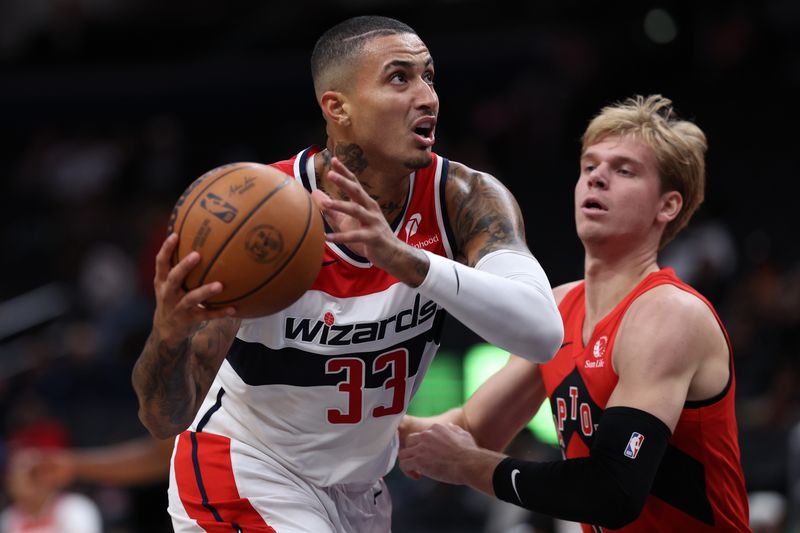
[598,177]
[425,96]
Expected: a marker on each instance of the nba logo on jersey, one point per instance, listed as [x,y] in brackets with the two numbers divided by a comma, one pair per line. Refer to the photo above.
[635,442]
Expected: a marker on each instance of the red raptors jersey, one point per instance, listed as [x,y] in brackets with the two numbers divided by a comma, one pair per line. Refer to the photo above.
[699,485]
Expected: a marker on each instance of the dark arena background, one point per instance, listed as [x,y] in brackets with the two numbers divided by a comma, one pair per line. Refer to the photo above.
[110,108]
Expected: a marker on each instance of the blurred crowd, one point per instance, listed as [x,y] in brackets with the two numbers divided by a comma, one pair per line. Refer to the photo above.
[93,164]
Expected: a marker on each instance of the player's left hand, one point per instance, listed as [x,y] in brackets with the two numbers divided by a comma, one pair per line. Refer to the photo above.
[437,452]
[358,222]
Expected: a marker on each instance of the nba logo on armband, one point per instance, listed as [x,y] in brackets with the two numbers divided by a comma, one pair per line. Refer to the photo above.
[635,442]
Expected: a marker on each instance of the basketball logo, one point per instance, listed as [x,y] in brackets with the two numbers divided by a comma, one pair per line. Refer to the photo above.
[329,319]
[218,207]
[264,243]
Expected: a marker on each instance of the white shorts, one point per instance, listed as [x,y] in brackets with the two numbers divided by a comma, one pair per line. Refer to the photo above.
[221,485]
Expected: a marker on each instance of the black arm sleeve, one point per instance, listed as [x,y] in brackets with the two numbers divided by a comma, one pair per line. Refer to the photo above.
[608,488]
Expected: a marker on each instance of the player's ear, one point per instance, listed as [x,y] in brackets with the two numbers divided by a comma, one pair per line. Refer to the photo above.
[671,204]
[335,108]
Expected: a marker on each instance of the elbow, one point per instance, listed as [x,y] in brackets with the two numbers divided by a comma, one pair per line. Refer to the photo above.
[553,339]
[544,340]
[156,427]
[623,511]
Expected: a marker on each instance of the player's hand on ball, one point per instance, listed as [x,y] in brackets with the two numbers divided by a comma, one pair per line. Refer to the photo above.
[358,222]
[179,313]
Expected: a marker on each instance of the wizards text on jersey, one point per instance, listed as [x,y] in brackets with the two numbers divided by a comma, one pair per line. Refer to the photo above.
[324,332]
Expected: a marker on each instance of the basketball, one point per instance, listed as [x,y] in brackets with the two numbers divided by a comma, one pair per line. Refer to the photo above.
[257,232]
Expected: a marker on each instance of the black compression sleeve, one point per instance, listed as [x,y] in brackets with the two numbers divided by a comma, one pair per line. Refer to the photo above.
[608,488]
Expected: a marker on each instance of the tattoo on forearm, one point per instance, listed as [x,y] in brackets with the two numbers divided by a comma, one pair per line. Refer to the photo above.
[172,380]
[161,375]
[352,156]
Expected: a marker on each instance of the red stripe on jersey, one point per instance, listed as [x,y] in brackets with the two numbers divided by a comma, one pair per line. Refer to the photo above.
[205,466]
[340,279]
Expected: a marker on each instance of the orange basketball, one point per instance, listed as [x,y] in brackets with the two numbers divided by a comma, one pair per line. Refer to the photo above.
[257,232]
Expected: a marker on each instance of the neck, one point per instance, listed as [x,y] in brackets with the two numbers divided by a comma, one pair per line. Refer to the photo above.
[610,276]
[387,187]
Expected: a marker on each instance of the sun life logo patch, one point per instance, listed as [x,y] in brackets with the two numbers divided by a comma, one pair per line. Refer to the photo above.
[600,347]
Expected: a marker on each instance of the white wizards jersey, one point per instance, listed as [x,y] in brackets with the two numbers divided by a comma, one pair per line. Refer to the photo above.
[322,385]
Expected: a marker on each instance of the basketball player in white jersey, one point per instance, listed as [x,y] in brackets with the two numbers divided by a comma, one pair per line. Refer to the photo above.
[288,422]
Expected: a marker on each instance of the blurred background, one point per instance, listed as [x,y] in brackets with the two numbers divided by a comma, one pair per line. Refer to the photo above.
[110,108]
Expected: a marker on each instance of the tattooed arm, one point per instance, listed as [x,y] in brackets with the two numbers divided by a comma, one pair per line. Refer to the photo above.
[184,350]
[484,215]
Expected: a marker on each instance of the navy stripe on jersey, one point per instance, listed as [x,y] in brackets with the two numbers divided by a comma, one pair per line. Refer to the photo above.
[199,477]
[302,164]
[448,230]
[213,409]
[258,365]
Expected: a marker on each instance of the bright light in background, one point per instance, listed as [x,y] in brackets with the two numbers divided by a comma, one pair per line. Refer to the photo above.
[483,360]
[442,387]
[659,26]
[451,380]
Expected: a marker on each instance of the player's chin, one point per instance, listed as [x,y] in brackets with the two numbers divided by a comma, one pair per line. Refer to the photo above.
[420,160]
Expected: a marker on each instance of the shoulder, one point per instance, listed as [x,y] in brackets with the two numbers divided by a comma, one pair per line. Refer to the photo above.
[561,291]
[670,305]
[483,214]
[667,320]
[464,179]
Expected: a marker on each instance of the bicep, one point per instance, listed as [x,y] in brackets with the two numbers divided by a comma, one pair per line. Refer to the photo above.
[662,396]
[483,214]
[657,352]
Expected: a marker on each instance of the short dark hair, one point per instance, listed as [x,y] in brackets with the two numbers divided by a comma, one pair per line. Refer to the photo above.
[343,41]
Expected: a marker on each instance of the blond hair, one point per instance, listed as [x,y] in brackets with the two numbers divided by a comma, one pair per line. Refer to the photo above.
[679,147]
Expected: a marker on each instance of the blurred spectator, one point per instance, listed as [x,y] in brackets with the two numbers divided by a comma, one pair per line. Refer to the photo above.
[767,512]
[37,505]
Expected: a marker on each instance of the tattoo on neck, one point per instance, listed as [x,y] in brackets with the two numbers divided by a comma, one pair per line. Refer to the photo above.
[326,160]
[352,156]
[389,208]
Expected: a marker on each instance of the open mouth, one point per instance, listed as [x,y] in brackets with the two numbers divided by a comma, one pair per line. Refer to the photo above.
[424,131]
[594,205]
[423,128]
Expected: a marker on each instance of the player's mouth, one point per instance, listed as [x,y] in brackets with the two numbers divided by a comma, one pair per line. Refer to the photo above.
[423,130]
[593,206]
